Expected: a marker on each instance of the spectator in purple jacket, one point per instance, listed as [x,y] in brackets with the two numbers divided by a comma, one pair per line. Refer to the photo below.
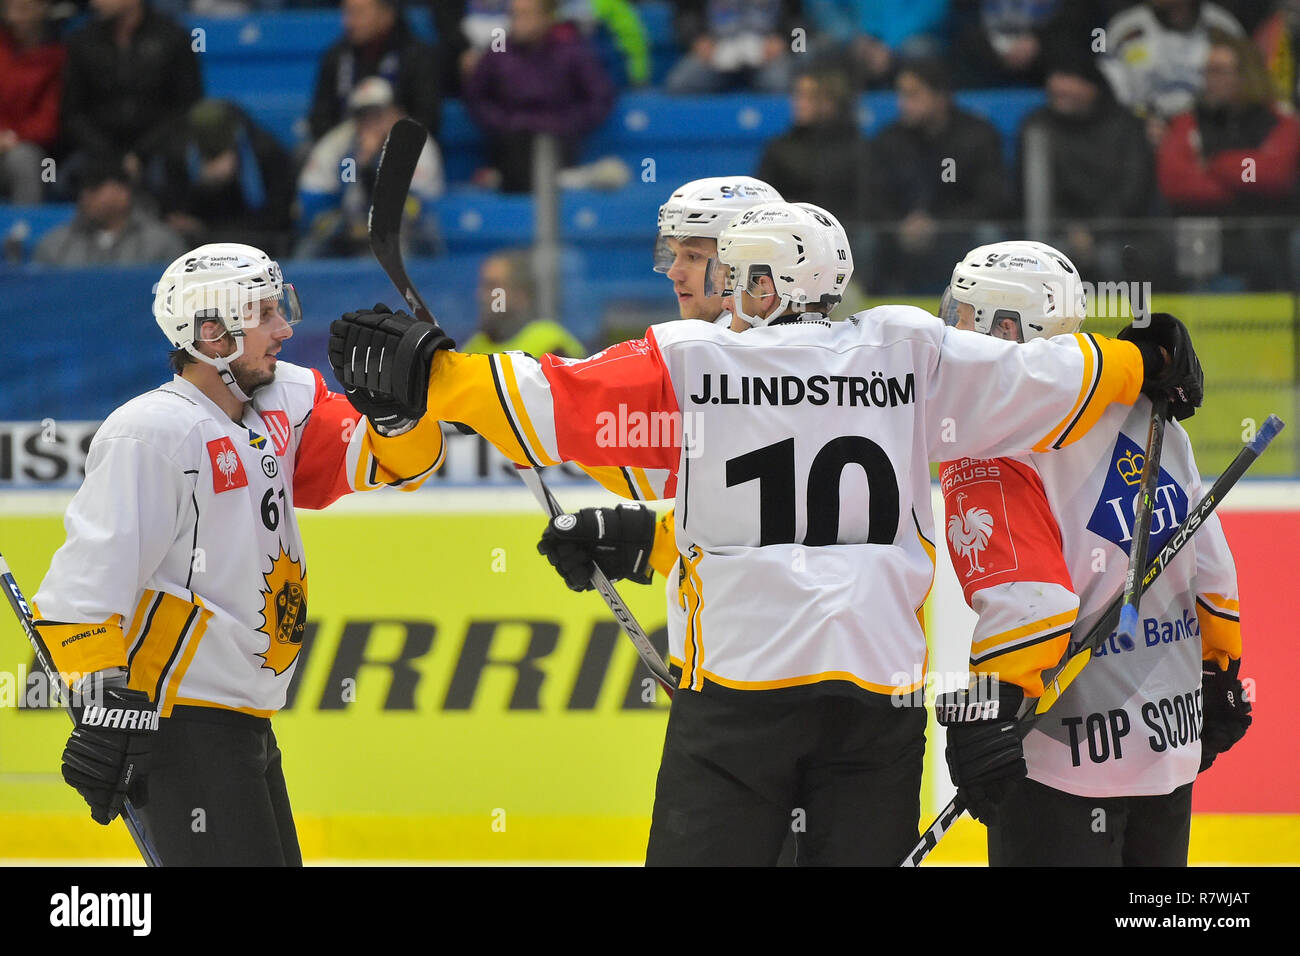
[543,79]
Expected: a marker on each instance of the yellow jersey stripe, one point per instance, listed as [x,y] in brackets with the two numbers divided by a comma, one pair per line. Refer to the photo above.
[1085,390]
[137,619]
[928,545]
[663,553]
[76,650]
[191,702]
[643,483]
[178,673]
[521,412]
[1218,604]
[697,623]
[1220,637]
[806,679]
[1025,663]
[690,598]
[1016,634]
[168,620]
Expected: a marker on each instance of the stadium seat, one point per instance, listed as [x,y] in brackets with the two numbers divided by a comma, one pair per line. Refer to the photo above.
[25,225]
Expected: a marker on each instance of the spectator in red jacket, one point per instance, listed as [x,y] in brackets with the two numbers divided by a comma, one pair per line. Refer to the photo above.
[1235,155]
[31,80]
[545,79]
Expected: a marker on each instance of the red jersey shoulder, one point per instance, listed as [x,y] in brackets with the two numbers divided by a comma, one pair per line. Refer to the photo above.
[227,468]
[999,525]
[635,348]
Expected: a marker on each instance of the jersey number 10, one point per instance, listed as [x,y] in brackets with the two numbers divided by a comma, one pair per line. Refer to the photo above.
[773,467]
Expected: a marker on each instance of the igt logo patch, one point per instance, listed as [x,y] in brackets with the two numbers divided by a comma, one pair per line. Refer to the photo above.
[227,469]
[1112,518]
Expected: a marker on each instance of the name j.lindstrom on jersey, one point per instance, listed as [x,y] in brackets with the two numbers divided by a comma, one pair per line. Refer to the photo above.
[874,389]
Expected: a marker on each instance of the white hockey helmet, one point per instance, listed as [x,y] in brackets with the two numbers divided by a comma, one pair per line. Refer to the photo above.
[801,247]
[702,208]
[1030,282]
[222,282]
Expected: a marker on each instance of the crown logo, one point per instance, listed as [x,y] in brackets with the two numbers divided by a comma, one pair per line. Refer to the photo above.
[1130,467]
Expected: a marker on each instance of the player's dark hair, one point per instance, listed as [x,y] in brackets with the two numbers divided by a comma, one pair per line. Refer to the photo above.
[178,359]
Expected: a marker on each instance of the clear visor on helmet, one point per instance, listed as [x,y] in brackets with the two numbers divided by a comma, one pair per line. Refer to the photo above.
[665,256]
[285,306]
[224,303]
[948,307]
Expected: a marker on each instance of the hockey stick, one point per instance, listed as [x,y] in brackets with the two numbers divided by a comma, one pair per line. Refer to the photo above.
[537,485]
[397,162]
[1105,625]
[24,613]
[1133,586]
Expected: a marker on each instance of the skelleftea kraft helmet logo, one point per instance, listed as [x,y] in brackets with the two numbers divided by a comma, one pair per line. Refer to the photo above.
[199,263]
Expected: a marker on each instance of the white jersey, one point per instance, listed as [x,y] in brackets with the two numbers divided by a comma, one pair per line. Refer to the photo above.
[1155,70]
[1041,545]
[183,560]
[798,456]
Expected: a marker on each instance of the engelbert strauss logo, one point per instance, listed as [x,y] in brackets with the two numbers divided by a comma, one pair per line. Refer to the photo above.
[1112,517]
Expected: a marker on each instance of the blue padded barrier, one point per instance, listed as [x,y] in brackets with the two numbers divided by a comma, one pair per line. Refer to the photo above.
[38,219]
[64,371]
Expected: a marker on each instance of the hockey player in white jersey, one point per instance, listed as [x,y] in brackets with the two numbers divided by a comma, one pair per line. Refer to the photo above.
[798,458]
[630,543]
[180,593]
[1041,544]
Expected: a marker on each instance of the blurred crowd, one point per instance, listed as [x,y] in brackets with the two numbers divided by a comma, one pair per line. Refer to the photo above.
[1153,109]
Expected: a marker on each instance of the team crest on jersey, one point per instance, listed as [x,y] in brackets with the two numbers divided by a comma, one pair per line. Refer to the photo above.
[227,469]
[277,426]
[284,612]
[1112,517]
[977,512]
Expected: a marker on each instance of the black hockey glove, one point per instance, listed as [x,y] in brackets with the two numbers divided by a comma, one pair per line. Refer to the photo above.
[381,358]
[986,758]
[618,539]
[1226,711]
[1179,377]
[106,759]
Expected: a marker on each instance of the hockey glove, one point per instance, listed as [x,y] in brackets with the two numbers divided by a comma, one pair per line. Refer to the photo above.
[1177,377]
[618,539]
[106,759]
[986,758]
[1227,712]
[381,358]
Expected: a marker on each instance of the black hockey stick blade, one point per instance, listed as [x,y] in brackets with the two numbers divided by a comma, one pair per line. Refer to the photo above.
[402,149]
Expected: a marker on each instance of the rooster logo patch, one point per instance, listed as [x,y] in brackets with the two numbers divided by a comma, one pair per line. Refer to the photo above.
[969,531]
